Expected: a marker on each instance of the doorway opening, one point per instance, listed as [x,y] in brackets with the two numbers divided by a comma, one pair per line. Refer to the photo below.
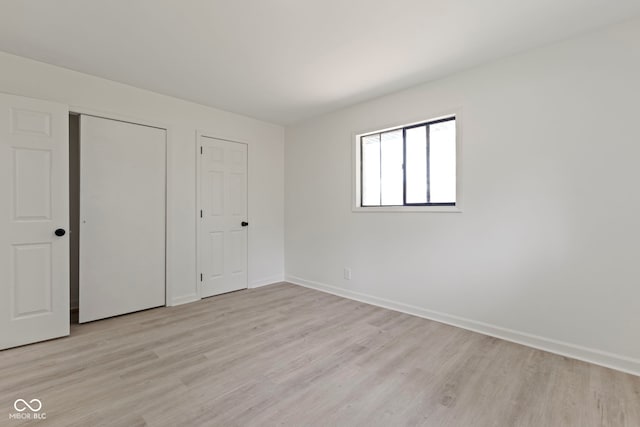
[74,214]
[117,213]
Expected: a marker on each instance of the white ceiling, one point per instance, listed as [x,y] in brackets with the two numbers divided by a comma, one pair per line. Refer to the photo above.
[287,60]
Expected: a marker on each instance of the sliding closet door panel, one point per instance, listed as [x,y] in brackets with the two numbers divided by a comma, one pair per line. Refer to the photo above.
[122,217]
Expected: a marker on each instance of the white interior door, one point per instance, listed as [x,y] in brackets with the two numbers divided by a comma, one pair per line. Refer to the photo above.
[222,235]
[34,205]
[122,217]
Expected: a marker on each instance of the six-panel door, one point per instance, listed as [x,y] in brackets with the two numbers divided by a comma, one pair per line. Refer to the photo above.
[223,210]
[34,204]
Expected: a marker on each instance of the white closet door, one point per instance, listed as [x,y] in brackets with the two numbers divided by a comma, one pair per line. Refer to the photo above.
[223,224]
[34,220]
[122,217]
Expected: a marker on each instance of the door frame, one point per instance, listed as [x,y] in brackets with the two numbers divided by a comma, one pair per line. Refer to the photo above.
[200,134]
[168,218]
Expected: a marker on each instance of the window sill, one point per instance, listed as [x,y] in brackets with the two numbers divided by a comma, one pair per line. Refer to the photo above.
[398,209]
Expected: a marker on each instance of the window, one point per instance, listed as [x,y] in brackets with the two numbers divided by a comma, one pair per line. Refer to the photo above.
[409,166]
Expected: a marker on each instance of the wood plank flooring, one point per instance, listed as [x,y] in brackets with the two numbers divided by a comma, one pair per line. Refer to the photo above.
[287,355]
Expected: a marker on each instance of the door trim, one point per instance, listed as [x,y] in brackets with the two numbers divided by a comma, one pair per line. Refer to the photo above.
[168,237]
[200,134]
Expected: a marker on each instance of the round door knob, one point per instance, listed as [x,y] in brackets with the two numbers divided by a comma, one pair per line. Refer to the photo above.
[60,232]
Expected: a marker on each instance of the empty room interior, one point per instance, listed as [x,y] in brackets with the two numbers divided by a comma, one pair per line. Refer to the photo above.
[319,213]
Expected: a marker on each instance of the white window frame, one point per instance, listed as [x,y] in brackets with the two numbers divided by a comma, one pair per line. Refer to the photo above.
[356,167]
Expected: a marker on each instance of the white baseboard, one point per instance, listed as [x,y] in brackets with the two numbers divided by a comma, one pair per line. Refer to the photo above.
[266,281]
[185,299]
[597,357]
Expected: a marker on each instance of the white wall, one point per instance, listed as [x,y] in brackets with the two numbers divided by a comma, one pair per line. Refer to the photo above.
[546,251]
[25,77]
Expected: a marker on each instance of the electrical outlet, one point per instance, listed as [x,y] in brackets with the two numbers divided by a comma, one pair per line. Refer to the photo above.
[347,274]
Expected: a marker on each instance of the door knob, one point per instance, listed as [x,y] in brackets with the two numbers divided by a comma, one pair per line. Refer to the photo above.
[244,223]
[60,232]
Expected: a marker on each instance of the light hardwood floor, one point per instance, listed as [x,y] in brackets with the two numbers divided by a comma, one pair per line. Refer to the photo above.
[286,355]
